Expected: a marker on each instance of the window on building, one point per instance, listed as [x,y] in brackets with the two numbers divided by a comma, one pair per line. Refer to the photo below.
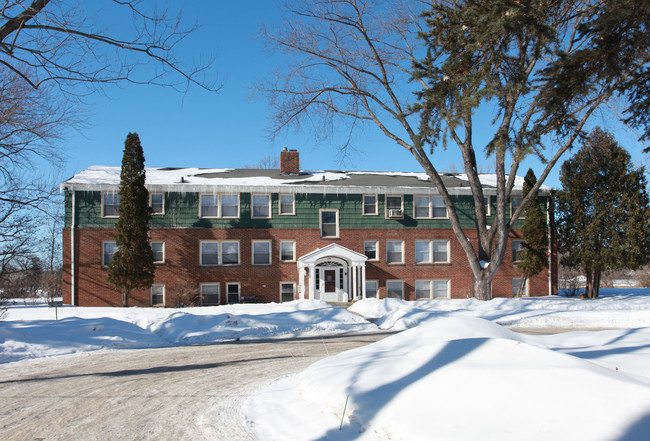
[261,206]
[329,223]
[287,251]
[230,253]
[209,205]
[515,202]
[440,289]
[287,204]
[423,251]
[157,203]
[440,250]
[422,289]
[209,253]
[210,294]
[370,249]
[394,251]
[370,204]
[157,295]
[515,286]
[287,291]
[394,206]
[232,292]
[261,252]
[421,207]
[395,289]
[108,251]
[439,207]
[371,289]
[517,249]
[230,205]
[158,251]
[486,203]
[110,203]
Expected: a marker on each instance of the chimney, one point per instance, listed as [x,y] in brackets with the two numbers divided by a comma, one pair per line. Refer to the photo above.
[289,162]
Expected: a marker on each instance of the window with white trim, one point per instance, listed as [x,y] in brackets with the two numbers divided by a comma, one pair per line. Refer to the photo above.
[372,287]
[219,253]
[233,292]
[394,289]
[158,295]
[110,204]
[230,205]
[439,209]
[440,289]
[431,251]
[487,205]
[210,294]
[287,291]
[517,249]
[157,203]
[287,251]
[431,289]
[261,206]
[261,252]
[108,251]
[158,251]
[370,249]
[287,204]
[421,207]
[422,289]
[329,223]
[209,205]
[394,251]
[394,206]
[515,286]
[370,204]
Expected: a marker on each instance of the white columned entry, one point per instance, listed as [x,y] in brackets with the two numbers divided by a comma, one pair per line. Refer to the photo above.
[301,281]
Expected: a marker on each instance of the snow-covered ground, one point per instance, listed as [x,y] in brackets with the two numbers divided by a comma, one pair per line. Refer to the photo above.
[454,374]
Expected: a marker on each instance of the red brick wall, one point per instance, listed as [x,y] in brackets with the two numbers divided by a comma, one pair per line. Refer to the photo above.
[182,263]
[290,161]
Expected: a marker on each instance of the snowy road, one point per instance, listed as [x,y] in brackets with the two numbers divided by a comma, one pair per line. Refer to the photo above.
[181,393]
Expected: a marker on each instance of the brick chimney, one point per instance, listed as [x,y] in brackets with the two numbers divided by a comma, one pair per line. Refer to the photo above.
[289,162]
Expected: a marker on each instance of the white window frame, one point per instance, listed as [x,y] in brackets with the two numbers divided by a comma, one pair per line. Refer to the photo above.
[516,246]
[221,215]
[515,286]
[293,204]
[487,203]
[219,252]
[376,284]
[428,199]
[151,294]
[228,285]
[388,261]
[293,288]
[253,205]
[514,206]
[363,205]
[428,250]
[270,252]
[386,197]
[162,203]
[429,285]
[292,243]
[218,294]
[104,243]
[320,222]
[448,288]
[433,251]
[376,242]
[162,251]
[401,283]
[115,195]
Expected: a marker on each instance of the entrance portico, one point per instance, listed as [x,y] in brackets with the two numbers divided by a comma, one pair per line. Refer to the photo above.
[336,274]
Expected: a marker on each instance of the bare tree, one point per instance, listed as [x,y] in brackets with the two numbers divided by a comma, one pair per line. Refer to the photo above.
[353,63]
[266,163]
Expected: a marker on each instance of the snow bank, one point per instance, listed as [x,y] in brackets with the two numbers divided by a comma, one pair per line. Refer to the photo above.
[454,379]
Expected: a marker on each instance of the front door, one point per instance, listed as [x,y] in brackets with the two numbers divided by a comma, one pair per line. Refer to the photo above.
[330,291]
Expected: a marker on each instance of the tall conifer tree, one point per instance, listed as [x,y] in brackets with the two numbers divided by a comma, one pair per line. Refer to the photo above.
[534,256]
[132,265]
[603,211]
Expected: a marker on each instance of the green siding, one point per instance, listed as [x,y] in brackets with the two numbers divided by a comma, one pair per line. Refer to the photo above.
[182,211]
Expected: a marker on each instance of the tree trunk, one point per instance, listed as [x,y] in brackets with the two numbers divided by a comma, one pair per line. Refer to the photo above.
[125,297]
[588,284]
[482,286]
[596,284]
[522,283]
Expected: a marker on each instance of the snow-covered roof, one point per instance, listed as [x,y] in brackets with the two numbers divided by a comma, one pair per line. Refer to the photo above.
[264,180]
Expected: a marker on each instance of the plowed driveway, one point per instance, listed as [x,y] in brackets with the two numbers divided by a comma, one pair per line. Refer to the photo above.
[181,393]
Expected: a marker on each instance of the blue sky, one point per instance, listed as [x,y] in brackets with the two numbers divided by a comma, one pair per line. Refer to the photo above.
[229,128]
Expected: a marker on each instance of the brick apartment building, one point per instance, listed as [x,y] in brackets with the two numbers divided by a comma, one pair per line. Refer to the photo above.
[236,235]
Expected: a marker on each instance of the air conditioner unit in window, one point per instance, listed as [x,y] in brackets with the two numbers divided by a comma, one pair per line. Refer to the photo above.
[395,213]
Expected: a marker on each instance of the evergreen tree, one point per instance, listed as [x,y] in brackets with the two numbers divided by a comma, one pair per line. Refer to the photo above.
[132,265]
[603,211]
[533,257]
